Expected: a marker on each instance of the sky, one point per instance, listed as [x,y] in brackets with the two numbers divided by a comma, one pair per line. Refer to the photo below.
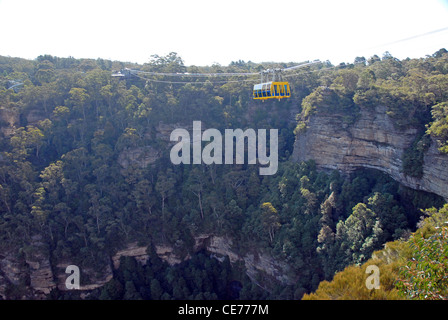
[207,32]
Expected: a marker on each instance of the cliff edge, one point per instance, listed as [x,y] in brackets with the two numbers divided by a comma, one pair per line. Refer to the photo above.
[372,141]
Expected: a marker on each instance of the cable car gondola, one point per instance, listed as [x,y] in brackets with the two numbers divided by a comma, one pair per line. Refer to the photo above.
[274,89]
[125,73]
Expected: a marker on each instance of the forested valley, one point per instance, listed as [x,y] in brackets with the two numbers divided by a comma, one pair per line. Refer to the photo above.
[85,170]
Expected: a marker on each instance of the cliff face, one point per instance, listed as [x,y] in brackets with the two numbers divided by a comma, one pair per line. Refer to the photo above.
[256,261]
[371,142]
[35,269]
[146,155]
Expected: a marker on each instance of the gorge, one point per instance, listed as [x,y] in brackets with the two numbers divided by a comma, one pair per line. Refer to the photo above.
[86,176]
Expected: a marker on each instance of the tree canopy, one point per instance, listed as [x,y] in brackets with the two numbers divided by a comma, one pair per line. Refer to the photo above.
[84,166]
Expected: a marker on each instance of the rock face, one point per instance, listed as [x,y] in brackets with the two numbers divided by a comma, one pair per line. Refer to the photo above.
[32,268]
[10,270]
[9,120]
[133,250]
[256,262]
[141,156]
[145,155]
[371,142]
[43,278]
[41,274]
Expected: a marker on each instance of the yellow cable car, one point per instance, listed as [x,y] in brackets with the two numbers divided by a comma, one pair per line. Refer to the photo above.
[271,90]
[271,87]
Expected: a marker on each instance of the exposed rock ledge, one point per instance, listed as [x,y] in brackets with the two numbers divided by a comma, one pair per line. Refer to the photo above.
[256,262]
[43,278]
[371,142]
[219,247]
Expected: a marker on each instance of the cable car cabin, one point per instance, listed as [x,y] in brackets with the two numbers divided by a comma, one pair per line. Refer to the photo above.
[272,90]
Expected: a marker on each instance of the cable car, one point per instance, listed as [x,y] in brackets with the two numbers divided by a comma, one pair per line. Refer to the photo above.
[271,90]
[125,73]
[271,87]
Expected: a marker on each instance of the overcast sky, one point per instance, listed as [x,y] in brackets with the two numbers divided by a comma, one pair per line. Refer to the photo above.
[204,32]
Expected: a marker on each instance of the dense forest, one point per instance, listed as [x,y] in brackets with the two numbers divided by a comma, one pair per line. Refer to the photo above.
[72,177]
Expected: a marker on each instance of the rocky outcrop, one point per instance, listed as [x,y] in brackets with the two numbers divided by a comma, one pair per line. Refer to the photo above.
[256,262]
[34,116]
[43,278]
[143,156]
[31,271]
[9,120]
[140,156]
[10,271]
[133,250]
[167,254]
[371,142]
[41,274]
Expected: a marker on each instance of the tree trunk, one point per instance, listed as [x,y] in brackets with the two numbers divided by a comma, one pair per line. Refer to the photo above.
[200,206]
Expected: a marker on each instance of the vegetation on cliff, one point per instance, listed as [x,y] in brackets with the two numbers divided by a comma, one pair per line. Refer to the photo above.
[413,91]
[415,268]
[65,130]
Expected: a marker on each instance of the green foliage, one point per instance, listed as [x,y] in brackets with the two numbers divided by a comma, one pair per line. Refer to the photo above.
[334,99]
[410,268]
[86,169]
[360,234]
[411,90]
[425,275]
[391,215]
[350,283]
[200,278]
[413,157]
[439,127]
[270,219]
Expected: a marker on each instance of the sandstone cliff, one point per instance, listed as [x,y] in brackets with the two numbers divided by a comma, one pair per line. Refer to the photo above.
[41,278]
[145,155]
[371,142]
